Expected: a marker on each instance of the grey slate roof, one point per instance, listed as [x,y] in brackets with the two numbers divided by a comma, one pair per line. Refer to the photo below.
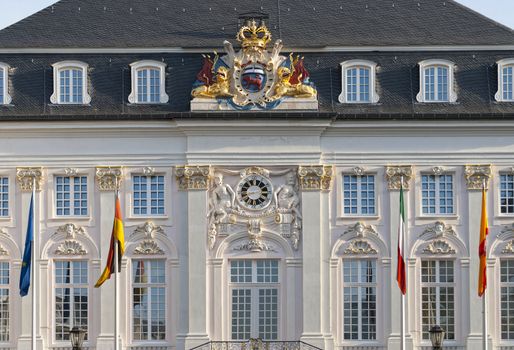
[300,23]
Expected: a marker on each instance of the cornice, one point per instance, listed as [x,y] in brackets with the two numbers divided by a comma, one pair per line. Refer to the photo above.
[324,49]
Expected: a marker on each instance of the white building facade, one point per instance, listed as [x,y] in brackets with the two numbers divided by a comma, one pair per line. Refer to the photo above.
[261,201]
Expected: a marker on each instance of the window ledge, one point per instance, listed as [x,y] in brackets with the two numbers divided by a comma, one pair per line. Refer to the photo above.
[356,217]
[147,217]
[435,217]
[70,104]
[147,104]
[70,217]
[6,105]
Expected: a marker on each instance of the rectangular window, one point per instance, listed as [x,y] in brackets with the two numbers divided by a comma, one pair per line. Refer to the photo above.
[507,299]
[359,195]
[4,196]
[71,297]
[4,301]
[148,195]
[148,300]
[359,299]
[254,299]
[507,83]
[430,84]
[71,86]
[438,296]
[71,196]
[437,194]
[506,194]
[148,85]
[442,84]
[358,84]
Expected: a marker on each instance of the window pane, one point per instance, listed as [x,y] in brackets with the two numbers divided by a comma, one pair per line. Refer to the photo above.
[71,196]
[442,84]
[71,297]
[148,195]
[2,92]
[4,301]
[359,195]
[4,196]
[241,314]
[359,299]
[506,193]
[148,300]
[508,86]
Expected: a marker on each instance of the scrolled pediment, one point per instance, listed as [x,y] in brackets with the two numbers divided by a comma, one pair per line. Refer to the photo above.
[439,229]
[148,247]
[360,229]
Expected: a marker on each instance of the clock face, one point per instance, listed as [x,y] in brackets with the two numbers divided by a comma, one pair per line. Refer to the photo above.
[254,192]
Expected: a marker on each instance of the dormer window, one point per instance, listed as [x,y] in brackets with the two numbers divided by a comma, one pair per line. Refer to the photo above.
[436,81]
[358,82]
[70,83]
[505,82]
[5,98]
[148,82]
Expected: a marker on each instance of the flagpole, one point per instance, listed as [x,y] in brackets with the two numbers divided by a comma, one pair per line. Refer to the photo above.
[116,286]
[34,270]
[484,303]
[402,296]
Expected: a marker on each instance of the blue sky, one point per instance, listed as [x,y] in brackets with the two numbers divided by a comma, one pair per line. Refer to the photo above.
[14,10]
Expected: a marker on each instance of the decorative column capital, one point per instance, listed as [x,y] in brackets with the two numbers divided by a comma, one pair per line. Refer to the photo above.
[25,178]
[108,178]
[394,175]
[193,177]
[476,175]
[315,177]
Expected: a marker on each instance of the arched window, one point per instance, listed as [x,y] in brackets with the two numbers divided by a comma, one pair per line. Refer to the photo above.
[10,261]
[358,82]
[440,257]
[505,80]
[152,260]
[5,98]
[70,83]
[436,81]
[67,260]
[148,82]
[358,261]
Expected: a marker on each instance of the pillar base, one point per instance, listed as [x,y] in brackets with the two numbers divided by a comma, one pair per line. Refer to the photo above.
[106,342]
[475,342]
[394,342]
[314,339]
[25,343]
[191,340]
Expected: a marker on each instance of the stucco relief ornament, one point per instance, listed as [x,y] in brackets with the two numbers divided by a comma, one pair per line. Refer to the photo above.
[315,177]
[108,178]
[148,229]
[288,214]
[222,201]
[361,230]
[69,230]
[255,243]
[3,251]
[477,175]
[148,246]
[396,175]
[26,176]
[439,247]
[193,177]
[439,229]
[70,247]
[509,248]
[360,247]
[253,78]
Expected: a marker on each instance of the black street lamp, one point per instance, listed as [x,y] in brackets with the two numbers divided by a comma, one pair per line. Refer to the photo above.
[77,336]
[436,337]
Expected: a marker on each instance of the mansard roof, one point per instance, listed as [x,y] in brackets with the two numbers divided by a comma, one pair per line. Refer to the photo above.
[300,24]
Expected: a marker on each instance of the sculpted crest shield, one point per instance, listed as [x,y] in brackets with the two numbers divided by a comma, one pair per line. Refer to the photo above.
[253,78]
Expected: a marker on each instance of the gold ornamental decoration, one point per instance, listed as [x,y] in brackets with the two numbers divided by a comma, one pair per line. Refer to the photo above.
[26,176]
[193,177]
[109,178]
[315,177]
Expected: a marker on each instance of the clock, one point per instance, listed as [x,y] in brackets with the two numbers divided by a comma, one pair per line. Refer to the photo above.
[254,192]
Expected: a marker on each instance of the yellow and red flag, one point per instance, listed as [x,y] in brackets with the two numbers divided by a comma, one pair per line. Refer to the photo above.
[117,236]
[482,253]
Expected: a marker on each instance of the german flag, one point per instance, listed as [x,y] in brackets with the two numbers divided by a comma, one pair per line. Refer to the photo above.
[117,236]
[482,253]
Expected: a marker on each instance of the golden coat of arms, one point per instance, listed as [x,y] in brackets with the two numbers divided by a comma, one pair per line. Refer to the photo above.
[253,78]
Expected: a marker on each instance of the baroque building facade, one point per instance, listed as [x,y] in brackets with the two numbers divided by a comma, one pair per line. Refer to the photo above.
[259,184]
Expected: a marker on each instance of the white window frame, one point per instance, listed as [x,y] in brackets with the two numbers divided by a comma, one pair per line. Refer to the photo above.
[254,286]
[372,66]
[64,65]
[72,192]
[437,198]
[166,285]
[359,194]
[54,286]
[5,75]
[9,287]
[148,64]
[507,62]
[423,65]
[438,285]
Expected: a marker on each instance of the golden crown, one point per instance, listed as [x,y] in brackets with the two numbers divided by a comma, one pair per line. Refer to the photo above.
[253,35]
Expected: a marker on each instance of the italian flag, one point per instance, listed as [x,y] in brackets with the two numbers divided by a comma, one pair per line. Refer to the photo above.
[400,272]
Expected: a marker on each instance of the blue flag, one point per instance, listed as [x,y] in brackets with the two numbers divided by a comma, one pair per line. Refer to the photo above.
[27,253]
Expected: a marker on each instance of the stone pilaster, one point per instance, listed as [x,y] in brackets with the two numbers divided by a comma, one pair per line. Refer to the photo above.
[195,180]
[397,175]
[315,183]
[475,176]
